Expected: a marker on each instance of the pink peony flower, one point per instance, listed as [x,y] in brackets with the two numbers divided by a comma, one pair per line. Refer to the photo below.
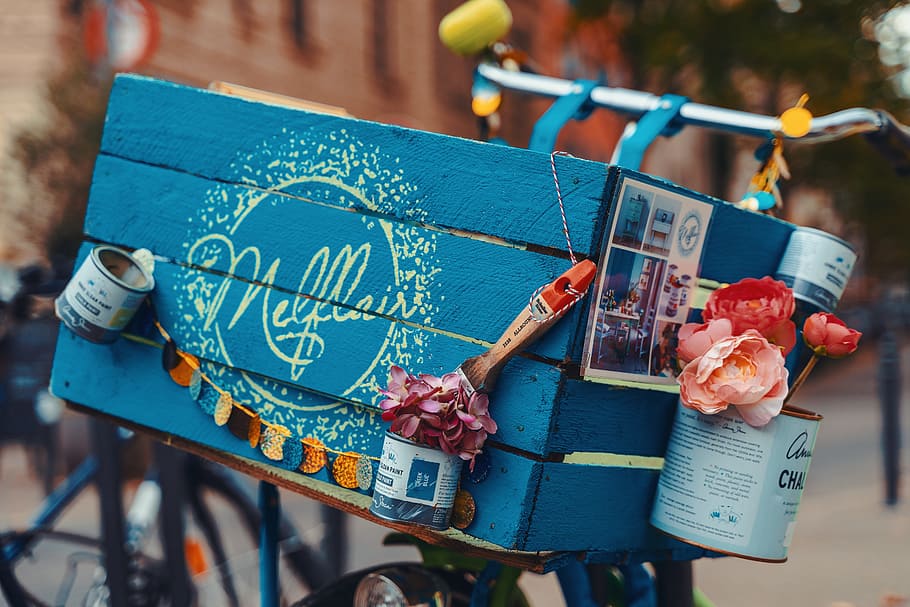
[695,339]
[746,371]
[829,336]
[763,304]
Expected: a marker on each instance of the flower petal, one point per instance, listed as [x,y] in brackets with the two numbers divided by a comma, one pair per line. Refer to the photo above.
[465,416]
[429,405]
[488,424]
[762,412]
[479,404]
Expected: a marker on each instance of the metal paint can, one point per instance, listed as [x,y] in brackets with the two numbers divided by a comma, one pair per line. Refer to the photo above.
[671,277]
[816,265]
[684,290]
[732,488]
[415,483]
[673,303]
[104,294]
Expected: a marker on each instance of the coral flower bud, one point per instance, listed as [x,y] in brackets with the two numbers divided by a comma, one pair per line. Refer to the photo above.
[829,336]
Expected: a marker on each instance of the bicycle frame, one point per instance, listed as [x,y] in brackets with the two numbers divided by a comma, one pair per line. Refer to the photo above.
[119,541]
[52,508]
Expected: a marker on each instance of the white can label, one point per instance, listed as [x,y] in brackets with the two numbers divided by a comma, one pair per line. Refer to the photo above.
[816,266]
[415,483]
[733,487]
[99,300]
[417,474]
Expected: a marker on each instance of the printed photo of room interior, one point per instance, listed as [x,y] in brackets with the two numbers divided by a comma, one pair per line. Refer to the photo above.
[626,314]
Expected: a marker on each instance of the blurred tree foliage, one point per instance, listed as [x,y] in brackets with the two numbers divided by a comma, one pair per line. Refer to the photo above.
[58,155]
[755,55]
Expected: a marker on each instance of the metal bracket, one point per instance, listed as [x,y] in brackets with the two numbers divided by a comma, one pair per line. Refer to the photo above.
[630,150]
[270,508]
[576,105]
[480,595]
[575,584]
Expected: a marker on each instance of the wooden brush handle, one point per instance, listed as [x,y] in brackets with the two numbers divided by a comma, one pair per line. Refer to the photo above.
[481,371]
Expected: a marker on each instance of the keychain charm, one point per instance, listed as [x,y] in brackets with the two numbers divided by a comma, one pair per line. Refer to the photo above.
[763,194]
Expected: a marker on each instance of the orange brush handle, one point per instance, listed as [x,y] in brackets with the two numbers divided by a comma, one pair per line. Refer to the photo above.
[578,277]
[480,372]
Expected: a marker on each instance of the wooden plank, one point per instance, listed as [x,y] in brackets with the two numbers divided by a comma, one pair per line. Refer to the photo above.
[344,359]
[600,418]
[444,181]
[434,179]
[504,499]
[246,92]
[126,382]
[398,270]
[610,508]
[243,363]
[537,409]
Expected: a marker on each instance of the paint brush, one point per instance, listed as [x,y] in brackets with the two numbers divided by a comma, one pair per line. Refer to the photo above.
[480,372]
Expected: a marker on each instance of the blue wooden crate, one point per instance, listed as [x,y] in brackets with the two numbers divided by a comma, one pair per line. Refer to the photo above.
[300,255]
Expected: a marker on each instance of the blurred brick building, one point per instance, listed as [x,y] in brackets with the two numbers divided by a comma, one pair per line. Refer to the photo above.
[27,45]
[378,59]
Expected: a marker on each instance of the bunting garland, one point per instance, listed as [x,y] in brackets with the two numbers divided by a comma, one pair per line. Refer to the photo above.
[308,455]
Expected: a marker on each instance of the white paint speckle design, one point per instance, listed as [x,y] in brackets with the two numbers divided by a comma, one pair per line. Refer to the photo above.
[333,170]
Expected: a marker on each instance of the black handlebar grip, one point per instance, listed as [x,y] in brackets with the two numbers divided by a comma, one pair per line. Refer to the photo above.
[892,141]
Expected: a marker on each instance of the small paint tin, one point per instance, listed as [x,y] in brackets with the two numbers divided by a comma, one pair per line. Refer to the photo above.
[684,290]
[732,488]
[671,277]
[104,294]
[816,265]
[415,483]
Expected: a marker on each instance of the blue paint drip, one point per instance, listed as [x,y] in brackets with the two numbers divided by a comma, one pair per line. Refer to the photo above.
[482,465]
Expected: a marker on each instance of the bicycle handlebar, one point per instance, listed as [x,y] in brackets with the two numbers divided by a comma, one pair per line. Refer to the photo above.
[892,141]
[636,103]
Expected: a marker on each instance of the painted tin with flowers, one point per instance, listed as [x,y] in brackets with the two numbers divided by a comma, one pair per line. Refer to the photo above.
[732,487]
[436,426]
[738,455]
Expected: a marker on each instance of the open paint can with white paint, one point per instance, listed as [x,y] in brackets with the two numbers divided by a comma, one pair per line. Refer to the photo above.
[732,488]
[817,266]
[104,294]
[415,483]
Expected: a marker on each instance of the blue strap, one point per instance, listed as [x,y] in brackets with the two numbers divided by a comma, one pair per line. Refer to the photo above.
[269,509]
[574,106]
[576,585]
[480,596]
[656,122]
[639,586]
